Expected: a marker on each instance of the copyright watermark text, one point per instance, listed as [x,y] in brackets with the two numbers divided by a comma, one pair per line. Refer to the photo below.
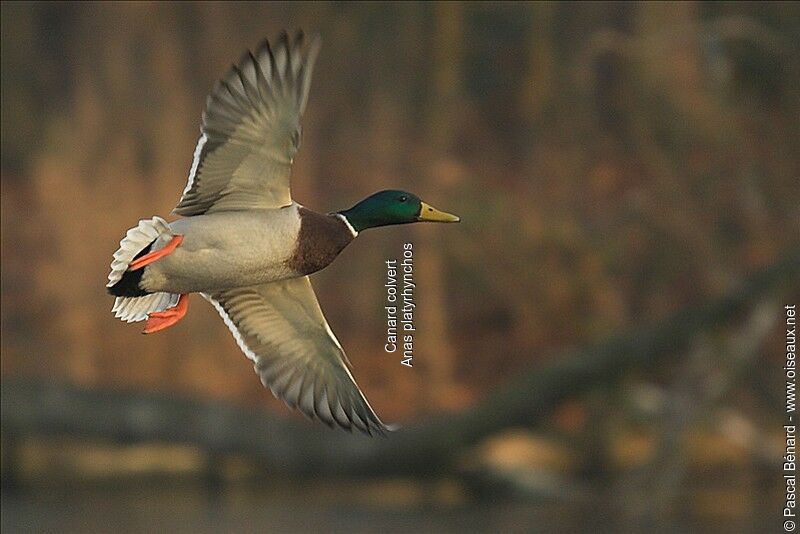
[790,453]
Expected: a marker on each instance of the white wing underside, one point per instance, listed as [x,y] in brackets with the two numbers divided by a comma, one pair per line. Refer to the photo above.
[281,328]
[251,131]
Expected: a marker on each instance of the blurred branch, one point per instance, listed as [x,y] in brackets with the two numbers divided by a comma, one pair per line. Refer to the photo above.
[648,493]
[292,447]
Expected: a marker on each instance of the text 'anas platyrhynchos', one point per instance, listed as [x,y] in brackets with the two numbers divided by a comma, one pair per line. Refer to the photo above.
[247,248]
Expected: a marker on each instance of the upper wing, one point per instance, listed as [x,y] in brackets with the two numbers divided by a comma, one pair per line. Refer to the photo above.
[280,326]
[251,131]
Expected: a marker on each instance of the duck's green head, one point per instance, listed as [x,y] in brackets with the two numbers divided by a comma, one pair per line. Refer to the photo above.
[393,207]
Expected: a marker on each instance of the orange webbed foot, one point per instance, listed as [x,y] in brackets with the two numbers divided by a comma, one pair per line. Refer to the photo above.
[164,319]
[149,258]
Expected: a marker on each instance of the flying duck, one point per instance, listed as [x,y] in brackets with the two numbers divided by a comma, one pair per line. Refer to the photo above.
[245,246]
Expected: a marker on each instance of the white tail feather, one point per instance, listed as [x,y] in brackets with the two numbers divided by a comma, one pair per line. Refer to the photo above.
[134,241]
[131,309]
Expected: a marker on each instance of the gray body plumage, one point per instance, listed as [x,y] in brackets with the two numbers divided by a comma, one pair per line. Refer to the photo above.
[226,249]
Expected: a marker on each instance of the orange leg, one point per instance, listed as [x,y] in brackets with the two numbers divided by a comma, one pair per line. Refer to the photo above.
[164,319]
[147,259]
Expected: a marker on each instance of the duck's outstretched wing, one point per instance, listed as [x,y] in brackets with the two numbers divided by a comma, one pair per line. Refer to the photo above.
[251,130]
[279,325]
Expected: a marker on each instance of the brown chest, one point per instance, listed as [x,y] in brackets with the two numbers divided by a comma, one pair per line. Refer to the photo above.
[320,240]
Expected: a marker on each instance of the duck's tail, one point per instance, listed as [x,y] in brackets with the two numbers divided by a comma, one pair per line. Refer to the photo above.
[134,303]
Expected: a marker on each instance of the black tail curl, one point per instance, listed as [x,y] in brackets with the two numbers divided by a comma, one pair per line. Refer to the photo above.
[128,286]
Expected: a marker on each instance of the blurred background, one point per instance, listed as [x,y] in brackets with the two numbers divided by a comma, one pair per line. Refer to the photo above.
[600,342]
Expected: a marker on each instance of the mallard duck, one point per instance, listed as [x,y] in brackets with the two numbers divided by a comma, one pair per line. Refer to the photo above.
[245,246]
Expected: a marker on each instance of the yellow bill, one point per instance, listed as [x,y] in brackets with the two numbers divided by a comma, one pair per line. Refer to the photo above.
[431,214]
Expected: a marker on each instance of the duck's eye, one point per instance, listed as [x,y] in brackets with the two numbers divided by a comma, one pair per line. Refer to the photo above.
[403,198]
